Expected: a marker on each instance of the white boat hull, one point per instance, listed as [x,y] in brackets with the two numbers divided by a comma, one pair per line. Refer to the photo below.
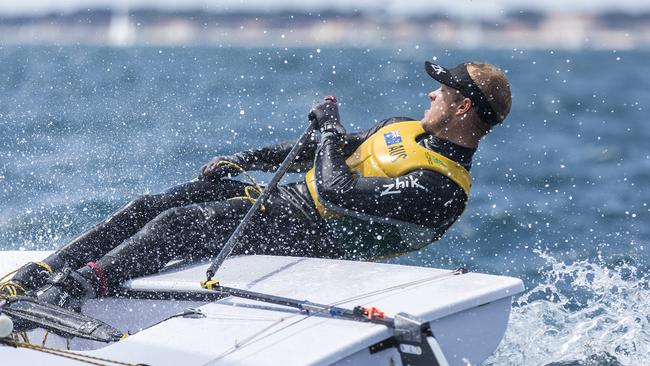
[467,313]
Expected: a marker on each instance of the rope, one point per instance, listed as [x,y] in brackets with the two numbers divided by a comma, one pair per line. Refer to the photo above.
[91,360]
[44,265]
[24,336]
[47,332]
[248,190]
[413,283]
[244,342]
[10,289]
[254,337]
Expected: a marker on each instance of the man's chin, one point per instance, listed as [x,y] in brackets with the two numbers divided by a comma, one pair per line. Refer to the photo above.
[427,125]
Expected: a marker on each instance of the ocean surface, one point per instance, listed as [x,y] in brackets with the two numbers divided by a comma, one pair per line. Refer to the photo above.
[560,195]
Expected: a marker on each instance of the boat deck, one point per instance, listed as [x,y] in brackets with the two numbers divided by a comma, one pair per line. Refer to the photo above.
[468,313]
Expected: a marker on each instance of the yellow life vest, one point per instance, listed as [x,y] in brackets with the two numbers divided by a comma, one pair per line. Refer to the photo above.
[391,152]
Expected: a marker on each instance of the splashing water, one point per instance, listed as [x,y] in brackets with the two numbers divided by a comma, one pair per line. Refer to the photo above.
[580,314]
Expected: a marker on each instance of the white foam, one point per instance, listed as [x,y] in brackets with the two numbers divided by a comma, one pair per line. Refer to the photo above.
[580,310]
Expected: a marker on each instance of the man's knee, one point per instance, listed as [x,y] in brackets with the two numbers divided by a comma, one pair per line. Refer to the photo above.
[141,202]
[140,207]
[180,215]
[150,202]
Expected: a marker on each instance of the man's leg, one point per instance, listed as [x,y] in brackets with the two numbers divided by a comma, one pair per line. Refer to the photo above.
[179,231]
[187,231]
[100,239]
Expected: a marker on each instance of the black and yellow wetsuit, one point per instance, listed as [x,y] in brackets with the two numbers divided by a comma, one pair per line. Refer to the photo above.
[361,216]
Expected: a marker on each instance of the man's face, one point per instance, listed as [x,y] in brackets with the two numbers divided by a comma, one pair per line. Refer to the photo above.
[442,109]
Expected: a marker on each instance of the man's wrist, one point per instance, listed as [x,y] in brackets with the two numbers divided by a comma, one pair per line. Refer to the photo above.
[332,136]
[333,127]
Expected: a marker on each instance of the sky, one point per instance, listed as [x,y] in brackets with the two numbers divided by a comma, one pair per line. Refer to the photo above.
[470,8]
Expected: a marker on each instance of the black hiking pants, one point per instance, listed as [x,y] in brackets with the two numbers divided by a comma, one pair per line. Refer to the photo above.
[191,221]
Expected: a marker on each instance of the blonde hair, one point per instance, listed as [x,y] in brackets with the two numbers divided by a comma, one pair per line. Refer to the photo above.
[494,85]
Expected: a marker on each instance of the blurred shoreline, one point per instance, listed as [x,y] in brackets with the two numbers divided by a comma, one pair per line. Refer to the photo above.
[154,27]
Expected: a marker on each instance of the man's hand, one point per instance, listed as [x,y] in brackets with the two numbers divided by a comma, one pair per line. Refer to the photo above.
[220,167]
[326,115]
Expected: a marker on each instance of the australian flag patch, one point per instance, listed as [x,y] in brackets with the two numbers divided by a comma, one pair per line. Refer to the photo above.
[392,138]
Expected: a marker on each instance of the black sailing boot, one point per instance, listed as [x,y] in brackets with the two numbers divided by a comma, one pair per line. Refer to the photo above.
[69,289]
[30,276]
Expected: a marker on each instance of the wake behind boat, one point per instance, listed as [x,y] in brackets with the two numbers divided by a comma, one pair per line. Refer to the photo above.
[172,320]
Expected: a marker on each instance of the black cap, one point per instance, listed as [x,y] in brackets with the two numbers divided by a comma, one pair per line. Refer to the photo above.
[459,78]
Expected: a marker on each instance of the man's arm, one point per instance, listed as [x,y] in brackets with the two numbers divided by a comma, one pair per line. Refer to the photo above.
[269,158]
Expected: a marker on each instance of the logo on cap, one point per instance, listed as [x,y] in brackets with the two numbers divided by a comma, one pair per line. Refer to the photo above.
[439,70]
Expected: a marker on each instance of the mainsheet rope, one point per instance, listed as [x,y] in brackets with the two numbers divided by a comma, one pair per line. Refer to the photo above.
[248,190]
[91,360]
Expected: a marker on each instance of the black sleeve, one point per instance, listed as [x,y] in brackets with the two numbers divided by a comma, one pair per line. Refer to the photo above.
[269,158]
[425,198]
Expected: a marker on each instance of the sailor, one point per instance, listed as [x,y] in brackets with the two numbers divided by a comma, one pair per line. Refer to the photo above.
[388,190]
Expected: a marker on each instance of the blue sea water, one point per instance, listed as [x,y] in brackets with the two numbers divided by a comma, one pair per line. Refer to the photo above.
[560,195]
